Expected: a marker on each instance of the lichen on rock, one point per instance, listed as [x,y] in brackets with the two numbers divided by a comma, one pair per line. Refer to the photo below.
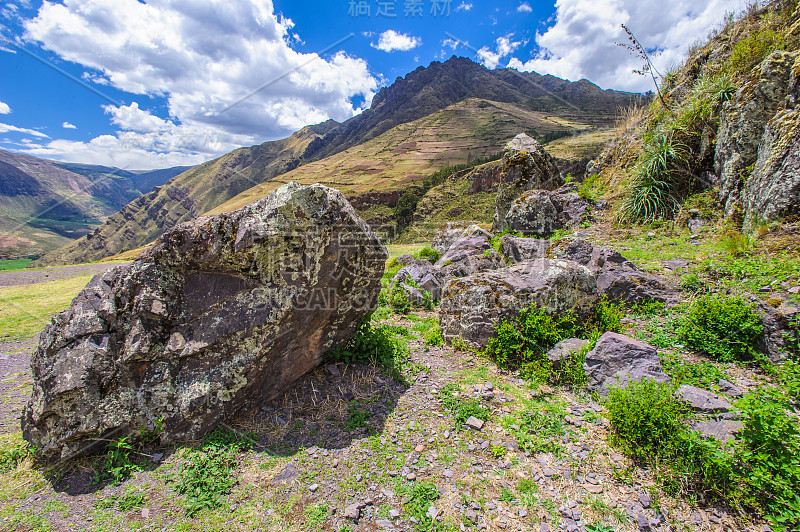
[220,314]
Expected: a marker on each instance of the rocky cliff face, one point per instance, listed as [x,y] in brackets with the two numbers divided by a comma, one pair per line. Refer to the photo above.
[221,314]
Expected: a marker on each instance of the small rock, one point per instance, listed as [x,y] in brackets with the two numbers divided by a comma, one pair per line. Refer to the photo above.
[644,500]
[333,370]
[352,512]
[145,513]
[642,521]
[157,457]
[729,389]
[432,513]
[313,487]
[419,448]
[394,513]
[703,401]
[447,473]
[471,515]
[475,423]
[411,476]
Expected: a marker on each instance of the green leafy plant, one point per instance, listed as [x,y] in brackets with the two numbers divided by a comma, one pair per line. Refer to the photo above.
[206,477]
[13,453]
[570,371]
[380,345]
[691,282]
[645,416]
[356,418]
[497,451]
[655,190]
[117,465]
[541,427]
[702,374]
[418,498]
[723,327]
[429,254]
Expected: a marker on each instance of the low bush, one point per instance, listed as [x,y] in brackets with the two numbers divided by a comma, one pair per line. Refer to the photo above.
[723,327]
[645,417]
[117,464]
[429,254]
[701,374]
[523,341]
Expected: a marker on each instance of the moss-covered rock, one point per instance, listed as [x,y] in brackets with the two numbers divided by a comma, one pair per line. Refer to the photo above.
[220,314]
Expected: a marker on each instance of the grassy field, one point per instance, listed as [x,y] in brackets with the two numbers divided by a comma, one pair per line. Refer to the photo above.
[25,310]
[13,264]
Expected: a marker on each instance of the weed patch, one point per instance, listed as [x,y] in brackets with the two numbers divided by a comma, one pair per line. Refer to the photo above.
[723,327]
[460,406]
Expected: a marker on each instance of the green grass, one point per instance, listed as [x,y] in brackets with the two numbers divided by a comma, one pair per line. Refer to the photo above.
[13,264]
[25,310]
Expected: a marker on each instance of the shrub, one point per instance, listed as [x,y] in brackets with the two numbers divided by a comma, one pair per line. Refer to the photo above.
[379,345]
[607,317]
[429,254]
[723,327]
[702,374]
[768,458]
[691,282]
[645,417]
[12,453]
[749,52]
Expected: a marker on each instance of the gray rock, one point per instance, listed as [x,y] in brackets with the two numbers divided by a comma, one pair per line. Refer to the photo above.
[643,522]
[540,213]
[520,249]
[205,323]
[617,277]
[779,331]
[474,423]
[563,349]
[742,124]
[352,512]
[527,166]
[729,389]
[675,264]
[450,232]
[424,274]
[703,401]
[723,430]
[618,360]
[472,306]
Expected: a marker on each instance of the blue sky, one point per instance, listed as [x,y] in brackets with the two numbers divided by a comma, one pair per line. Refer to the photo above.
[148,84]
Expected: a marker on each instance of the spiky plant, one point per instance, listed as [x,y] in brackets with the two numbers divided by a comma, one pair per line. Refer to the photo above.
[656,186]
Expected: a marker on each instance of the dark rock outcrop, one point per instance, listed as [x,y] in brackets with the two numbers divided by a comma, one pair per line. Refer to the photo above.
[780,330]
[743,122]
[772,191]
[467,256]
[618,360]
[220,314]
[527,166]
[472,306]
[423,274]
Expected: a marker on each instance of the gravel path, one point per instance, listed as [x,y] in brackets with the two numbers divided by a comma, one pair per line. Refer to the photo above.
[23,277]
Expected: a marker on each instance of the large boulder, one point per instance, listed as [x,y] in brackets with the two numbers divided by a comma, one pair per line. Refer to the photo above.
[520,249]
[450,232]
[617,277]
[472,306]
[221,314]
[527,166]
[780,334]
[542,212]
[467,256]
[423,273]
[618,360]
[743,122]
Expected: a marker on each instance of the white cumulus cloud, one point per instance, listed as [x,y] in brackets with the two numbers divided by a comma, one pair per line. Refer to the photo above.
[4,108]
[582,42]
[390,41]
[226,68]
[524,7]
[504,46]
[67,125]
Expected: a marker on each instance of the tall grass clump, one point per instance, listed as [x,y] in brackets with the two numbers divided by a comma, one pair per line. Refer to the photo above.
[656,187]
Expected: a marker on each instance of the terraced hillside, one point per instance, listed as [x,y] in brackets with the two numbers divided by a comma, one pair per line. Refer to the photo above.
[541,104]
[45,204]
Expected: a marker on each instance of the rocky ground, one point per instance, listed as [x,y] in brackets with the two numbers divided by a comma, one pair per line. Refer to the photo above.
[352,448]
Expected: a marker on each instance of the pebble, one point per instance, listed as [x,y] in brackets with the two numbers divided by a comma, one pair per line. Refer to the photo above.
[313,487]
[475,423]
[145,513]
[352,512]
